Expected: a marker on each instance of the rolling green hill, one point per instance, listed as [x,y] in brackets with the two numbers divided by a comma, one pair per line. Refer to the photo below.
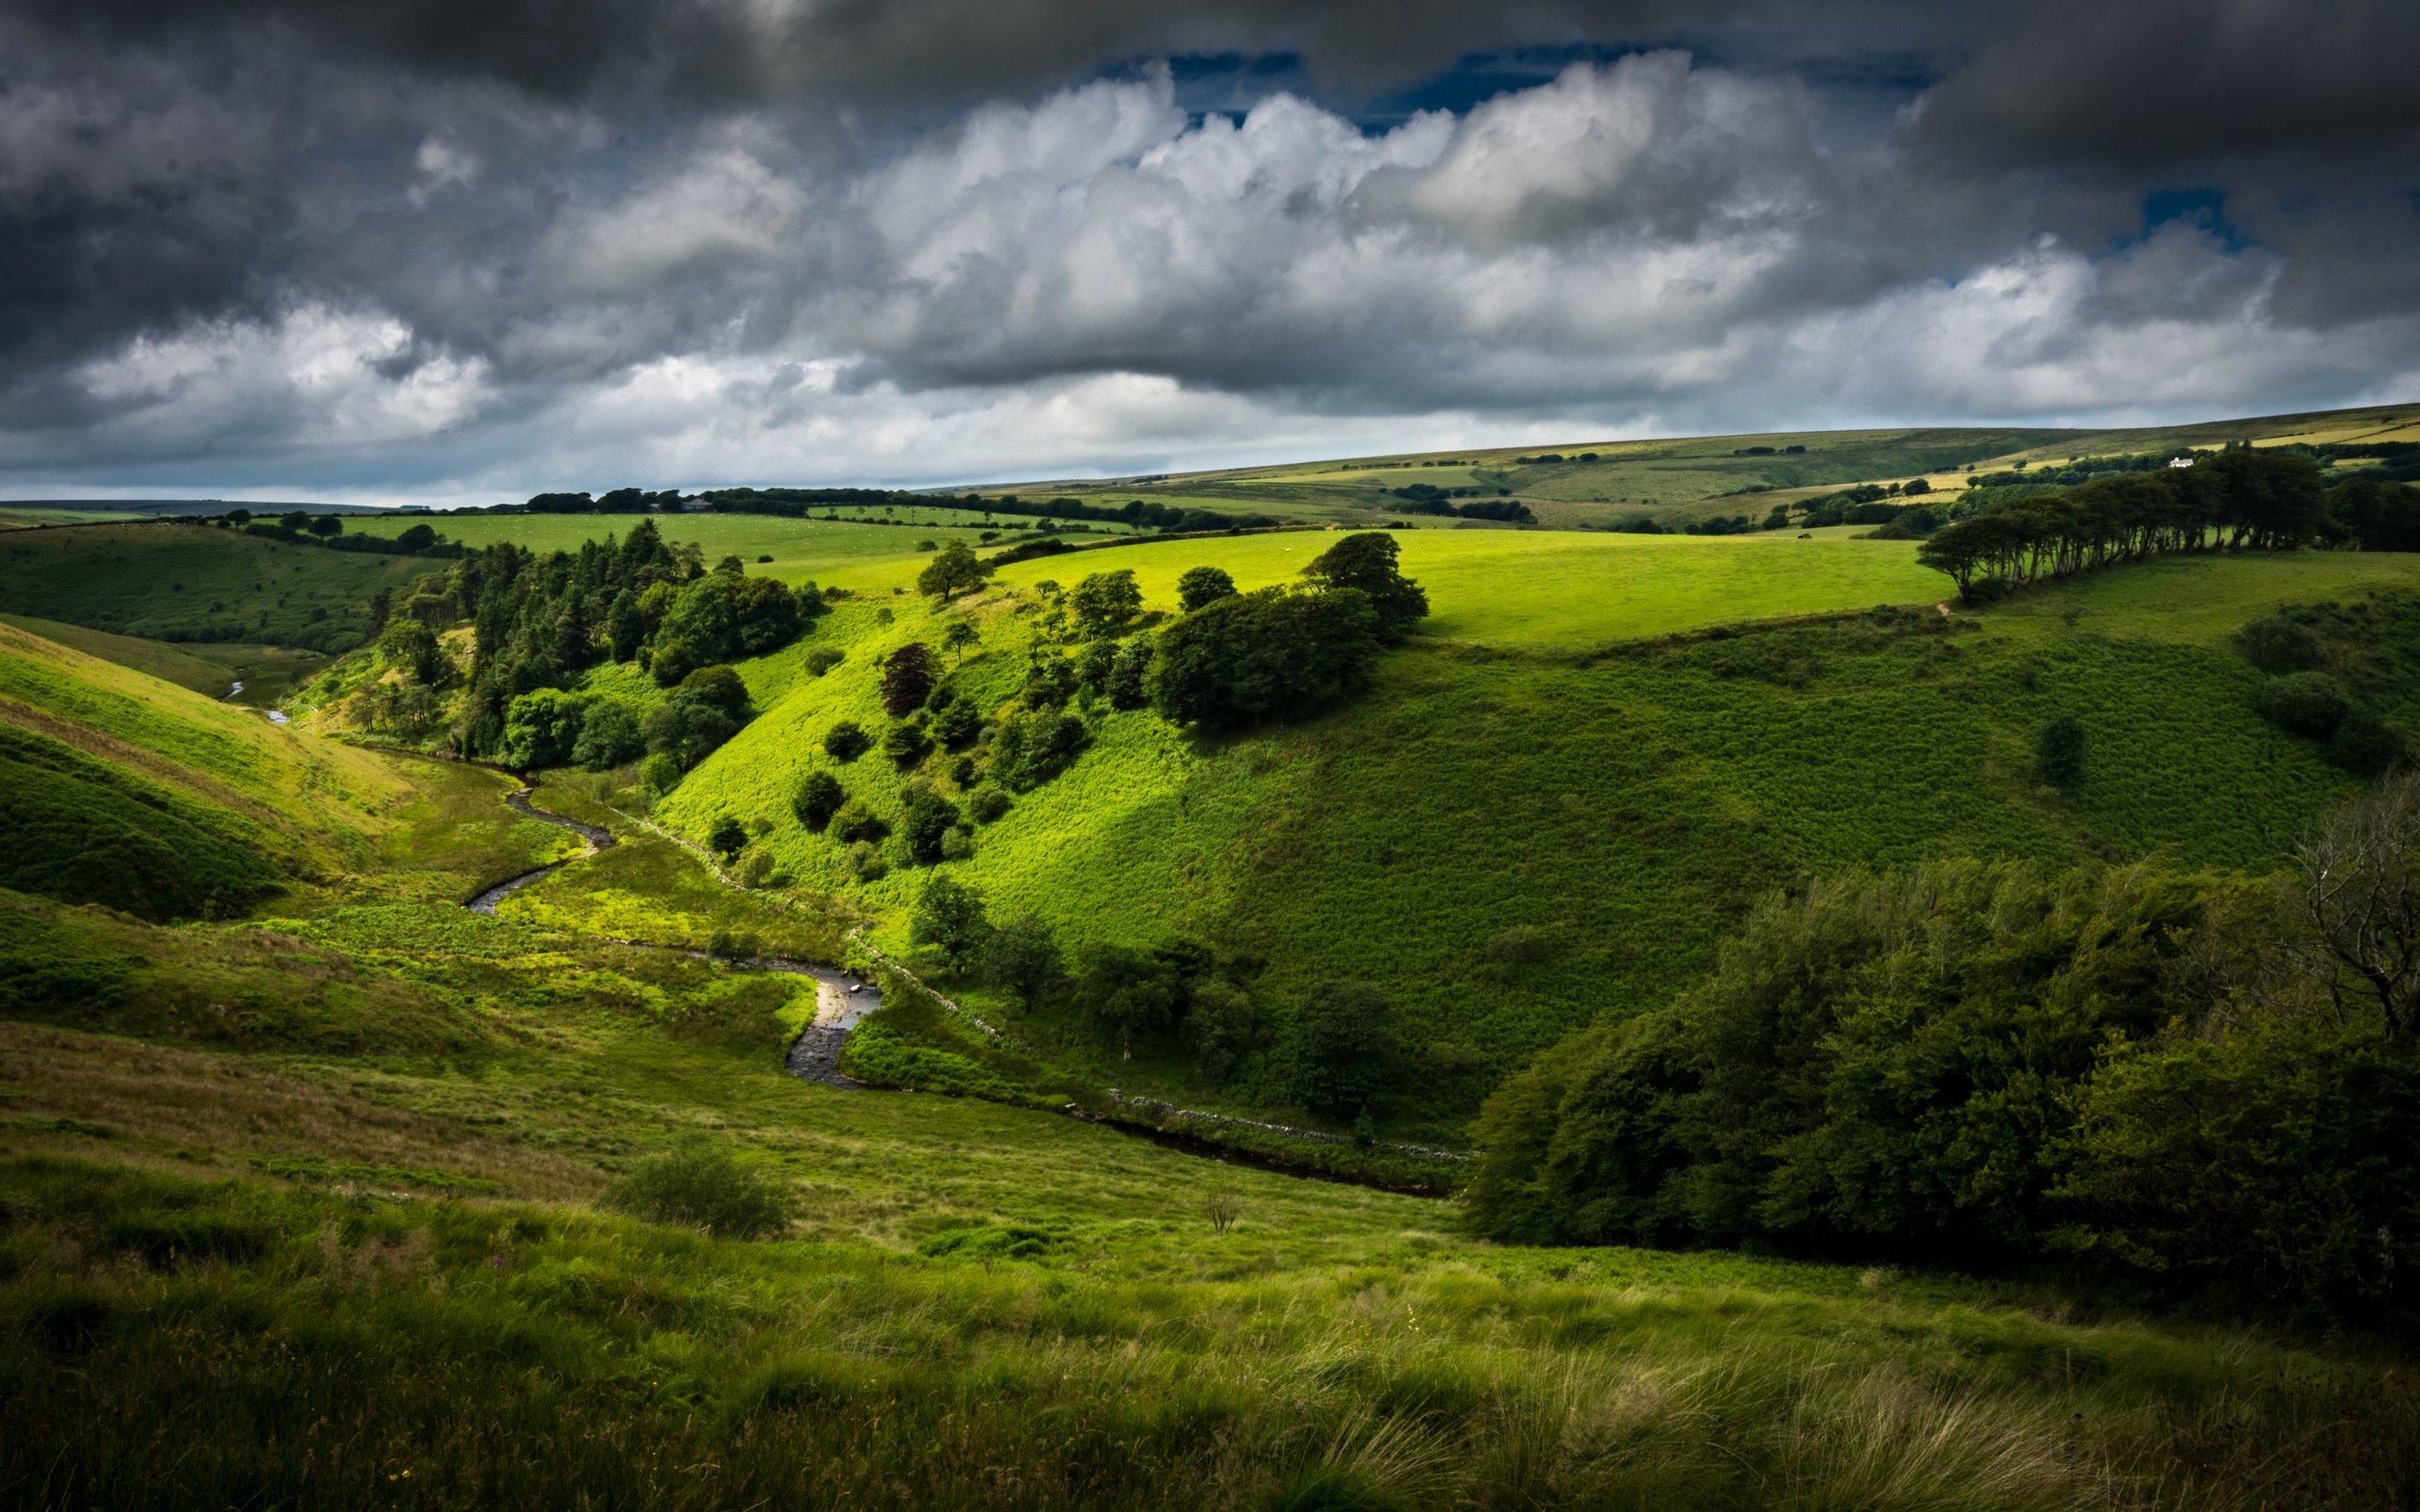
[177,581]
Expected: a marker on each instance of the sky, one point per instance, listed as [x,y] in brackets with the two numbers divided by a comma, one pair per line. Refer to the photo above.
[453,251]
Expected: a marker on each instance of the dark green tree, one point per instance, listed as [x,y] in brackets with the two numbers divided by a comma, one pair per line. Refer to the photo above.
[625,627]
[727,838]
[949,917]
[1344,1048]
[1105,603]
[926,819]
[907,679]
[1203,585]
[846,741]
[1368,560]
[1242,662]
[953,570]
[1022,956]
[2059,753]
[1128,684]
[819,797]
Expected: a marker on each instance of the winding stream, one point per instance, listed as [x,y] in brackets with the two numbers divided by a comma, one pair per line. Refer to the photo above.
[842,1001]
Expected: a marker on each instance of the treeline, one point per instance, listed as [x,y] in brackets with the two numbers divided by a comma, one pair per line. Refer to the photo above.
[540,621]
[299,526]
[2206,1084]
[1148,513]
[2239,500]
[1429,499]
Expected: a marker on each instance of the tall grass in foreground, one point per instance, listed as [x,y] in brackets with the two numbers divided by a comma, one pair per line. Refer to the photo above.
[172,1345]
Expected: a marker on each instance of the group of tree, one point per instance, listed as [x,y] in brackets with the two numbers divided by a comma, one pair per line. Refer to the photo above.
[2203,1082]
[1146,513]
[1336,1053]
[1429,499]
[2306,692]
[617,501]
[1235,661]
[539,622]
[2239,500]
[300,527]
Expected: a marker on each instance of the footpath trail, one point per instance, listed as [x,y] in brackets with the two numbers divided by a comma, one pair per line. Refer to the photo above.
[842,1001]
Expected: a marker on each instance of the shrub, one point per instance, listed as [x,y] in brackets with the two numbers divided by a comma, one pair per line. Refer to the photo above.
[819,797]
[925,817]
[2304,703]
[2276,644]
[865,862]
[853,823]
[727,837]
[957,844]
[755,868]
[985,804]
[958,725]
[905,743]
[2059,753]
[1030,748]
[2366,745]
[823,659]
[846,741]
[697,1186]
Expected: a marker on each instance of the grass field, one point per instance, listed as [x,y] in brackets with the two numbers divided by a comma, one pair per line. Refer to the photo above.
[15,518]
[1549,588]
[177,581]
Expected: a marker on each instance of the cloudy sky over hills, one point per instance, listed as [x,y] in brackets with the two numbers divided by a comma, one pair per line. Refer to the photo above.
[459,251]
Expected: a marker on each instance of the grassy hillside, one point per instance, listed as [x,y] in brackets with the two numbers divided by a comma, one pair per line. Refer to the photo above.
[210,667]
[1513,837]
[170,580]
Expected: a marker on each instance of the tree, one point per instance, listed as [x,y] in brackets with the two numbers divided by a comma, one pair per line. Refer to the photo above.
[819,797]
[1128,684]
[846,741]
[406,643]
[906,742]
[953,569]
[1220,1024]
[327,524]
[1367,560]
[1344,1048]
[1203,585]
[926,819]
[853,823]
[625,627]
[727,838]
[960,635]
[1126,992]
[1239,661]
[2059,753]
[958,724]
[1104,602]
[2360,899]
[718,688]
[949,917]
[609,735]
[1032,748]
[1022,956]
[541,728]
[2304,703]
[907,679]
[2275,643]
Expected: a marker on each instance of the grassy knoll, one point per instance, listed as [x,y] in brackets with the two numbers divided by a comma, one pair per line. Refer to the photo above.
[170,580]
[2205,600]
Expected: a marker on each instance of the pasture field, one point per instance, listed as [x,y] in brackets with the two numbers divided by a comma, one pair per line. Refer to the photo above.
[15,517]
[172,580]
[2205,600]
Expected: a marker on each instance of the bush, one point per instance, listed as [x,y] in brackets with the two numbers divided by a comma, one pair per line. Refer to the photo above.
[1030,748]
[2276,644]
[905,743]
[727,837]
[853,823]
[925,817]
[823,659]
[2367,746]
[985,804]
[957,844]
[2304,703]
[846,741]
[865,862]
[2059,753]
[957,726]
[755,868]
[700,1187]
[819,797]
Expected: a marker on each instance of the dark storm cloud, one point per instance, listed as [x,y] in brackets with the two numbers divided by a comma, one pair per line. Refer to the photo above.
[408,240]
